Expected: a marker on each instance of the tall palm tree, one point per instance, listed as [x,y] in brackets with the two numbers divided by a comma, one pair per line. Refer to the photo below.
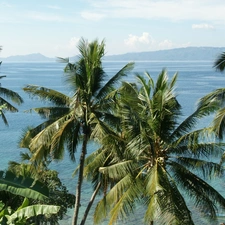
[78,118]
[161,159]
[4,104]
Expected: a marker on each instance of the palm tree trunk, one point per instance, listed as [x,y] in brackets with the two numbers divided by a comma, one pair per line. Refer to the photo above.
[80,180]
[90,203]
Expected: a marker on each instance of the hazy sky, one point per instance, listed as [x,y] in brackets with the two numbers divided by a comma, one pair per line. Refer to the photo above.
[53,27]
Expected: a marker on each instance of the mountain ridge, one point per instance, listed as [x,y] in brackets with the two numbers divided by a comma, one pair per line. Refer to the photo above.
[181,54]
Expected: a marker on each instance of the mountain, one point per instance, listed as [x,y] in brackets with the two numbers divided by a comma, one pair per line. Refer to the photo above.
[36,57]
[178,54]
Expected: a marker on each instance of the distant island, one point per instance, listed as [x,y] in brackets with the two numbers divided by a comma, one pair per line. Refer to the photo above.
[177,54]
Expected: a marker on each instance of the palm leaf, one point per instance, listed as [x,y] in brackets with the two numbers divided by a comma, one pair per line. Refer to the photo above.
[219,64]
[119,170]
[31,211]
[3,115]
[205,196]
[25,187]
[44,94]
[219,123]
[108,87]
[9,94]
[7,105]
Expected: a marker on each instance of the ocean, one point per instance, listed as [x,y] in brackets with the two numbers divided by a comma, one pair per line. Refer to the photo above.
[195,79]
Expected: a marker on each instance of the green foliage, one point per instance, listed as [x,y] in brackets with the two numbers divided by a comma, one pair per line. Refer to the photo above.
[160,157]
[19,185]
[25,212]
[17,188]
[4,104]
[219,63]
[31,211]
[83,116]
[58,193]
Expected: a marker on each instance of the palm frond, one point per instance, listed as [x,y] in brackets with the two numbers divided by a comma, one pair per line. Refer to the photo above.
[219,64]
[69,133]
[46,94]
[205,168]
[213,100]
[118,170]
[3,117]
[204,195]
[51,112]
[50,138]
[218,123]
[7,106]
[121,196]
[13,96]
[110,85]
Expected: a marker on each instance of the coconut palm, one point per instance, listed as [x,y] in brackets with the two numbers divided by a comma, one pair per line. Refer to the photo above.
[164,159]
[79,118]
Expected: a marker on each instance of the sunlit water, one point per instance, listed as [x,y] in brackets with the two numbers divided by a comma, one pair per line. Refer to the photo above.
[194,81]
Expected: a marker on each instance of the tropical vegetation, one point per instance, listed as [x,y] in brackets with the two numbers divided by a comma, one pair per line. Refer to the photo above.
[83,116]
[155,159]
[148,155]
[58,192]
[18,190]
[13,187]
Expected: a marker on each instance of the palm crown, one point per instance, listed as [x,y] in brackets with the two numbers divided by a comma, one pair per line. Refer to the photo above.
[82,116]
[156,158]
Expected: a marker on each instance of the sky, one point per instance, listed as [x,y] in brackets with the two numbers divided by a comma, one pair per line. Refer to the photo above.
[54,27]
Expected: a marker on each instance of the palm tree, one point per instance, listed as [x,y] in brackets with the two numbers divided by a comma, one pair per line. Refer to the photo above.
[163,159]
[84,116]
[4,104]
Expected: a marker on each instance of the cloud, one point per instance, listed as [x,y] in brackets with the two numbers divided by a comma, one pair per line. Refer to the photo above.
[92,16]
[204,10]
[202,26]
[166,44]
[146,42]
[133,40]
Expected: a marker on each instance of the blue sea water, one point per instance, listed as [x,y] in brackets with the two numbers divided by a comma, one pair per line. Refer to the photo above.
[195,79]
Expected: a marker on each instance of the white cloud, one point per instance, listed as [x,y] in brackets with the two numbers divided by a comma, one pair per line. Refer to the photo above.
[146,42]
[204,10]
[92,16]
[133,40]
[202,26]
[166,44]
